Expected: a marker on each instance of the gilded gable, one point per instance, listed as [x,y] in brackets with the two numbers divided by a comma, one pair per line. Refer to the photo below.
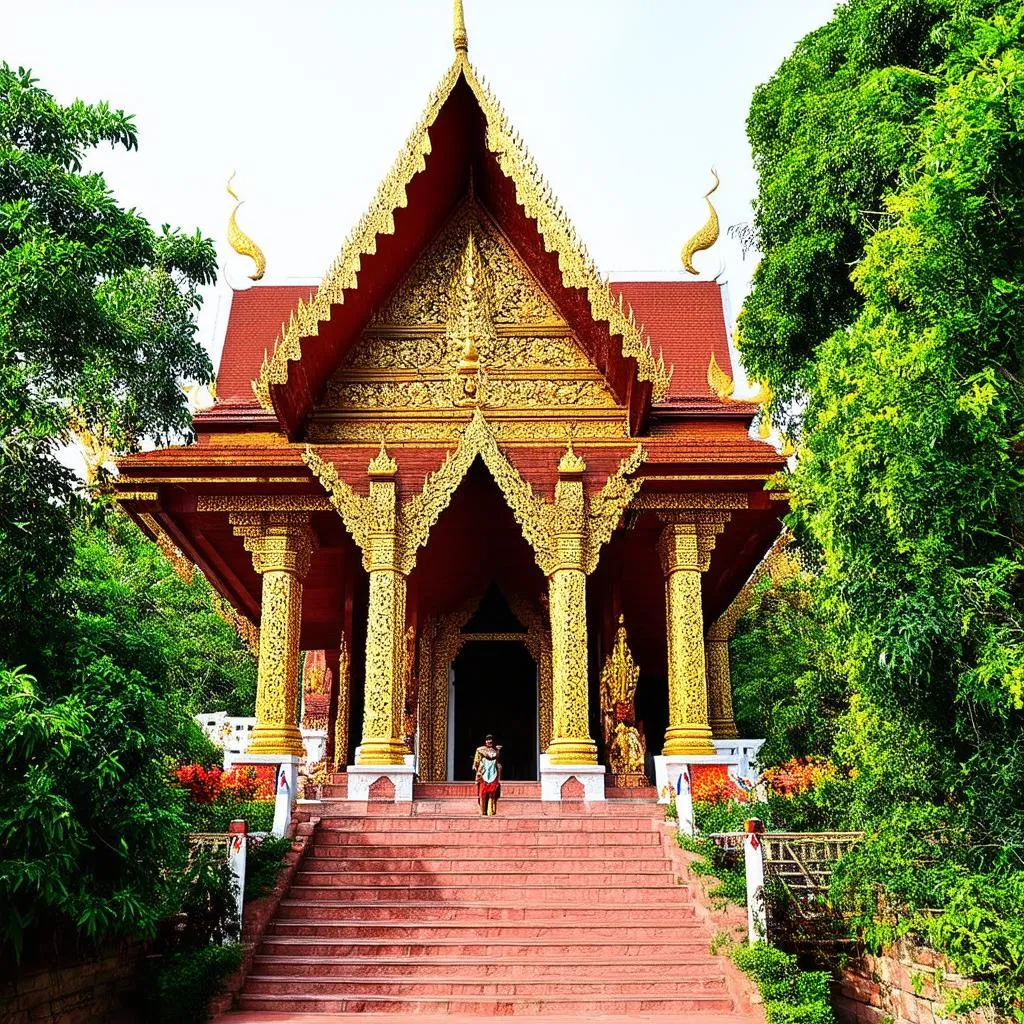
[468,327]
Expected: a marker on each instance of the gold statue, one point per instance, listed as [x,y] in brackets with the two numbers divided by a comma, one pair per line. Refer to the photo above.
[626,756]
[623,743]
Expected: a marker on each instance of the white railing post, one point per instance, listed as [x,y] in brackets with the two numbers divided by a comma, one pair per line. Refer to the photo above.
[753,861]
[287,779]
[684,801]
[237,848]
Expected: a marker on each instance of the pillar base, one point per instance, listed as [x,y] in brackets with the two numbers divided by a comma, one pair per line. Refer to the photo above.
[366,781]
[572,752]
[588,776]
[724,729]
[279,740]
[382,752]
[684,740]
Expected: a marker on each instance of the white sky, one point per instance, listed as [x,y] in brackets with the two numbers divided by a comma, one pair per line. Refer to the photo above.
[624,105]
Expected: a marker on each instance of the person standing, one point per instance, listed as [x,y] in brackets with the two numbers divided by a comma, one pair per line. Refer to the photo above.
[487,767]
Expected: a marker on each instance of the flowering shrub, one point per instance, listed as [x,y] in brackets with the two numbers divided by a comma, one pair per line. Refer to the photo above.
[799,774]
[203,784]
[715,788]
[244,783]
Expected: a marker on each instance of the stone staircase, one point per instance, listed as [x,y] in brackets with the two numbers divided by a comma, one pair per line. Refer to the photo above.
[548,909]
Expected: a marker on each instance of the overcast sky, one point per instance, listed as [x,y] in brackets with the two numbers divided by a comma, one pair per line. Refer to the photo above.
[625,106]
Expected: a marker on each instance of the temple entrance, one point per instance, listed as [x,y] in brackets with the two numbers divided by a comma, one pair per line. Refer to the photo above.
[494,690]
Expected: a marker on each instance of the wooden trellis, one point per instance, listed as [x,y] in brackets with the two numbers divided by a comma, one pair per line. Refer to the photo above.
[801,864]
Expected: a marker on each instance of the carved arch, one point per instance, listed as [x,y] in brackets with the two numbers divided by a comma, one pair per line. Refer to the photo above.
[423,510]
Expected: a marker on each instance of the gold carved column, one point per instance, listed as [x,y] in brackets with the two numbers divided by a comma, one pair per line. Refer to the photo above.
[716,658]
[281,544]
[567,604]
[685,550]
[382,741]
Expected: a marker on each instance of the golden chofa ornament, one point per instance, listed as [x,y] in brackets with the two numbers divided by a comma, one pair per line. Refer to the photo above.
[240,241]
[706,236]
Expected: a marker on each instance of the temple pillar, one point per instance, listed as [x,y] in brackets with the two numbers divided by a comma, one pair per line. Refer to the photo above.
[685,549]
[382,741]
[281,544]
[719,677]
[571,743]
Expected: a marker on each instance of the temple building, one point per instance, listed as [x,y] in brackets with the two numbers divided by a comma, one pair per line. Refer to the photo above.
[501,493]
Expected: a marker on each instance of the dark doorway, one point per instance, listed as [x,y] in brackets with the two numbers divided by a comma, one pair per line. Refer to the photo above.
[495,690]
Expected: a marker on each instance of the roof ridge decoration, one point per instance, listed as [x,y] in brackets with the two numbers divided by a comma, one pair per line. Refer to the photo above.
[242,243]
[533,193]
[706,236]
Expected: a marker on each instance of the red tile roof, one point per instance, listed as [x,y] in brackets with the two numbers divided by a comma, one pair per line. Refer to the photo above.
[254,322]
[685,319]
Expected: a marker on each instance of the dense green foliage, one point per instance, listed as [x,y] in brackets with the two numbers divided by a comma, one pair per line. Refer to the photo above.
[179,988]
[130,602]
[263,863]
[790,995]
[104,652]
[887,314]
[97,329]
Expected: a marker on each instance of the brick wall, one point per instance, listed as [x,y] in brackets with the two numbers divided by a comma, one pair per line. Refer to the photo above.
[91,990]
[903,985]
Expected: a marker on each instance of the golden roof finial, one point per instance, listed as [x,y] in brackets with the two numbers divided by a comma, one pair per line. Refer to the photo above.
[459,34]
[240,241]
[707,235]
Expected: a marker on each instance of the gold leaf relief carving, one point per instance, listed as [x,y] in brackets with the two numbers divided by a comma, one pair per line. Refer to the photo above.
[449,430]
[424,296]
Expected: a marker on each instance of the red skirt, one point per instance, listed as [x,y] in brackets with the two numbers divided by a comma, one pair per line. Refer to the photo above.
[487,788]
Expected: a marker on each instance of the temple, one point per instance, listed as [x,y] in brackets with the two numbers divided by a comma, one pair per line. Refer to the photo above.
[499,491]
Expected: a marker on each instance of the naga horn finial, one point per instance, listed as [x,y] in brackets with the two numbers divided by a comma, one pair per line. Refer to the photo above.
[707,235]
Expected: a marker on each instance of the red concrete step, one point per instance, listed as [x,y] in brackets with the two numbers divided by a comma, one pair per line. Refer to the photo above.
[466,790]
[635,893]
[521,932]
[478,824]
[621,877]
[388,839]
[524,859]
[468,911]
[465,984]
[590,1008]
[280,963]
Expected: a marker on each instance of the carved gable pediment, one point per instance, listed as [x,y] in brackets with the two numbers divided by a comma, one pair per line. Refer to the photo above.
[468,327]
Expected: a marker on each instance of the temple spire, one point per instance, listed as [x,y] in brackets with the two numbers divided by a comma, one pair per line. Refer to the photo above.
[459,36]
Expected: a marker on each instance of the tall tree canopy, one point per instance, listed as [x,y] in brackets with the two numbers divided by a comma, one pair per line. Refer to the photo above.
[888,314]
[97,333]
[97,330]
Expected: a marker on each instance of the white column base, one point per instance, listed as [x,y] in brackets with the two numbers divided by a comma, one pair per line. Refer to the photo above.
[362,777]
[554,777]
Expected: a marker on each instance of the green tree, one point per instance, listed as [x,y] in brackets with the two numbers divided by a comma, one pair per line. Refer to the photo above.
[97,332]
[97,329]
[888,313]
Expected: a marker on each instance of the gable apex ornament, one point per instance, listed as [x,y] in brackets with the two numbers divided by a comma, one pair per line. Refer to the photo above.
[459,35]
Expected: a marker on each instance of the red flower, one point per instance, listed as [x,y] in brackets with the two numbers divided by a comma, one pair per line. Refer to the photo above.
[203,784]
